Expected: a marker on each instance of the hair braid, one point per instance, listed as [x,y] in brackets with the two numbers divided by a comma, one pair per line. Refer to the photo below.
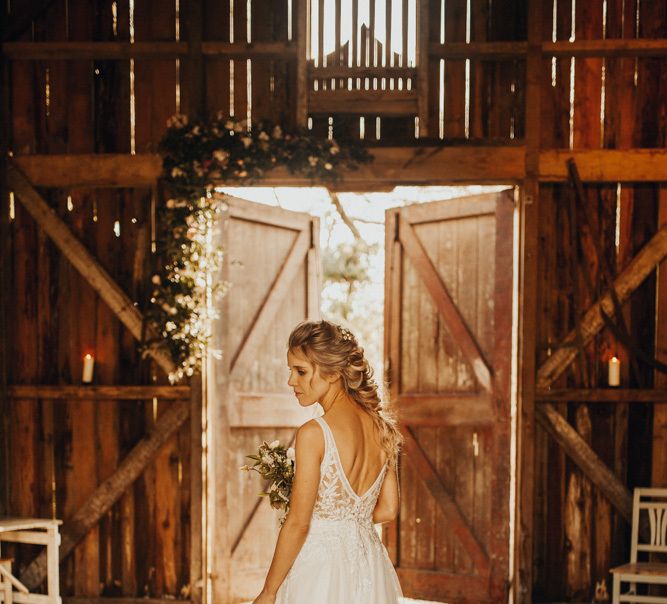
[334,349]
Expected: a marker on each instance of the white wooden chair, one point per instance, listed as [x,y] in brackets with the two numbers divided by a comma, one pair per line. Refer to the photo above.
[36,531]
[651,503]
[5,583]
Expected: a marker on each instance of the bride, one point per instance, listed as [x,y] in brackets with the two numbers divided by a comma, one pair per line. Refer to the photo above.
[328,551]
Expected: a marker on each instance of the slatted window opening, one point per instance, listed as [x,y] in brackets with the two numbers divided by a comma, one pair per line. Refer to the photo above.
[362,63]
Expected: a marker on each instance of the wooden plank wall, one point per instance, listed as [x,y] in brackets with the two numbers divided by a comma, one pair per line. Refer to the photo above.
[614,105]
[83,106]
[66,448]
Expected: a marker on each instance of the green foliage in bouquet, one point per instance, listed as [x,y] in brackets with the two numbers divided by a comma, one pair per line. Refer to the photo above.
[275,464]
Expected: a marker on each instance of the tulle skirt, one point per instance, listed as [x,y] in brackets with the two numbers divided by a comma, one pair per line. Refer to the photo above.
[341,562]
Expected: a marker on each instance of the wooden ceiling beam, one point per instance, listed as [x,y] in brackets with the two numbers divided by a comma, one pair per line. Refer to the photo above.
[603,395]
[391,166]
[495,51]
[63,51]
[98,393]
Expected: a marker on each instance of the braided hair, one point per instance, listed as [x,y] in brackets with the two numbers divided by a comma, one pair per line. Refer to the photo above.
[335,350]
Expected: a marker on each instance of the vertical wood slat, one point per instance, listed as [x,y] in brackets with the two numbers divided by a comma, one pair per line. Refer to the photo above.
[659,478]
[579,501]
[321,61]
[155,79]
[371,43]
[546,522]
[404,34]
[355,35]
[387,36]
[193,88]
[454,92]
[264,13]
[337,33]
[423,67]
[215,70]
[302,13]
[81,473]
[241,100]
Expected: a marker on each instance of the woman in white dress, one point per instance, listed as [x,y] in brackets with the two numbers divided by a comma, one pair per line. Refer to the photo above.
[328,551]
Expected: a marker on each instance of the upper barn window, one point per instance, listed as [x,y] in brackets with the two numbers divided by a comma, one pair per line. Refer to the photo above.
[363,33]
[362,60]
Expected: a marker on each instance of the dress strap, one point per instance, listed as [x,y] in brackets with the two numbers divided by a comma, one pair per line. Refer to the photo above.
[328,437]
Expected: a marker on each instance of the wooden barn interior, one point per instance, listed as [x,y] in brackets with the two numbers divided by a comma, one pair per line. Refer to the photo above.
[521,454]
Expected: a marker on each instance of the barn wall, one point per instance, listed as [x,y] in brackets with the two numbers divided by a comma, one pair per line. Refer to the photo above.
[66,448]
[615,104]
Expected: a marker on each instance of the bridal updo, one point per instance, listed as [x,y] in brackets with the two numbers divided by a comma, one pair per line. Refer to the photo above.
[335,350]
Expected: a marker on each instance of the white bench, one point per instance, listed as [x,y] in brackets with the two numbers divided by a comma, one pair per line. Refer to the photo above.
[40,531]
[651,504]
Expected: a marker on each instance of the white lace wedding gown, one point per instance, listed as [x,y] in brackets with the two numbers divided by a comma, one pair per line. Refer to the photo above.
[342,560]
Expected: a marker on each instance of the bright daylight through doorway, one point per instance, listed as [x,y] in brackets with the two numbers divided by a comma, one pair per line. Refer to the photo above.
[352,244]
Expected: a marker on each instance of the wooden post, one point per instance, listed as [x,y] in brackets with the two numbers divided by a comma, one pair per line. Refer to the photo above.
[5,285]
[217,586]
[197,515]
[528,234]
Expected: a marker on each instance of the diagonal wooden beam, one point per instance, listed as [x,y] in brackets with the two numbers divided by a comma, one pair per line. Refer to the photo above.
[445,502]
[444,303]
[106,494]
[650,256]
[581,453]
[279,288]
[84,262]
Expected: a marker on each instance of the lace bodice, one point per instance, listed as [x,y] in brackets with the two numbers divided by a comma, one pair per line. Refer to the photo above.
[336,500]
[342,558]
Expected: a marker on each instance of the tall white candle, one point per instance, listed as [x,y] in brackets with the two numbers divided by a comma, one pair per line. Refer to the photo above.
[614,377]
[88,365]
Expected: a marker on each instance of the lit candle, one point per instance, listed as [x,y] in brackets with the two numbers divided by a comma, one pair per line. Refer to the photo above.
[614,377]
[88,364]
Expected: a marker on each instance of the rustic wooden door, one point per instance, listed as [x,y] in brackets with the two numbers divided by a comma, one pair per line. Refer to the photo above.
[448,351]
[272,267]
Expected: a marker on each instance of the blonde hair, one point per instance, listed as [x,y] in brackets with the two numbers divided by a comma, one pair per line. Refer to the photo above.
[335,350]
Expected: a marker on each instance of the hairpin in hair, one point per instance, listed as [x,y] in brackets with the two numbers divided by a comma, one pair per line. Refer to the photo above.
[346,334]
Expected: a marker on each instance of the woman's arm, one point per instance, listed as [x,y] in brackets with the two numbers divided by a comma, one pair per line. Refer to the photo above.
[386,508]
[309,450]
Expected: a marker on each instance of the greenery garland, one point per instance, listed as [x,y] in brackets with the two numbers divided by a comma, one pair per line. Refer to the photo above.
[198,156]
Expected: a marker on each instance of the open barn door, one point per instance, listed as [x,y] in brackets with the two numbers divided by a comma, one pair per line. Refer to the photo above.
[272,267]
[448,349]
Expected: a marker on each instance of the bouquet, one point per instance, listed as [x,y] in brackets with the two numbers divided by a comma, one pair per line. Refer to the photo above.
[275,464]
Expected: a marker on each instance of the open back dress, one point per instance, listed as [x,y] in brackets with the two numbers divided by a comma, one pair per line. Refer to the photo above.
[342,560]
